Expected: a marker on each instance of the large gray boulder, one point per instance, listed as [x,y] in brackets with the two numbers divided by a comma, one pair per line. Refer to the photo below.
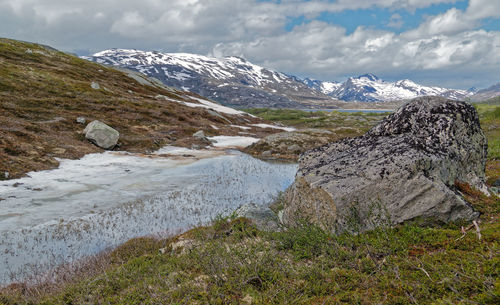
[101,134]
[403,169]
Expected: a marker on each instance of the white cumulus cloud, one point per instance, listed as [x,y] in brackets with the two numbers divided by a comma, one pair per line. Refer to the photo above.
[441,48]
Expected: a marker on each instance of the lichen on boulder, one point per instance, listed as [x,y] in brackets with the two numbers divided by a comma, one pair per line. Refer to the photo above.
[403,169]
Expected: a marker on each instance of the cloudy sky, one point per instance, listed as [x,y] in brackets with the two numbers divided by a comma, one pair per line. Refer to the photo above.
[435,42]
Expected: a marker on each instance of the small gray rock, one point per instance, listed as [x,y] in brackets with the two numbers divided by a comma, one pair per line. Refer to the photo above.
[81,120]
[267,153]
[280,216]
[6,175]
[294,148]
[95,86]
[28,51]
[159,97]
[101,135]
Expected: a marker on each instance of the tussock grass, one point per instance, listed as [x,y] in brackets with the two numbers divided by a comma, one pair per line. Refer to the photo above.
[233,261]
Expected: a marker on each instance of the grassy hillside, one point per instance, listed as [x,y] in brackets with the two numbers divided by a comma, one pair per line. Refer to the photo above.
[43,91]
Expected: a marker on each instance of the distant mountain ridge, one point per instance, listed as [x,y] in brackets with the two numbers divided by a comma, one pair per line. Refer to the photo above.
[230,80]
[236,82]
[370,88]
[487,93]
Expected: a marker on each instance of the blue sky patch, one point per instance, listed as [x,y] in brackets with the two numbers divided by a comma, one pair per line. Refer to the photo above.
[396,21]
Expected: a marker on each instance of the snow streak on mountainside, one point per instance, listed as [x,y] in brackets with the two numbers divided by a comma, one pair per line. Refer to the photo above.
[231,80]
[370,88]
[324,87]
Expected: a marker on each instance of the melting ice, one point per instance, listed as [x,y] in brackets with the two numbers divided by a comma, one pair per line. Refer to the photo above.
[102,200]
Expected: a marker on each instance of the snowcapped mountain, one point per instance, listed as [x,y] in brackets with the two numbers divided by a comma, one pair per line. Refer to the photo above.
[370,88]
[236,82]
[324,87]
[231,81]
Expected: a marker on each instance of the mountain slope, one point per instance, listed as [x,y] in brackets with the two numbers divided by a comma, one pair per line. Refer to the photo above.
[370,88]
[231,80]
[323,86]
[487,93]
[43,91]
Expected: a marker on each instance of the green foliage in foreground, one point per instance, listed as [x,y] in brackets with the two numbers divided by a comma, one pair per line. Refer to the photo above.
[233,263]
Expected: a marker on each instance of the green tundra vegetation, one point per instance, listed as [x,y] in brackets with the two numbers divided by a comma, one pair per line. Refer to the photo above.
[489,115]
[345,124]
[232,262]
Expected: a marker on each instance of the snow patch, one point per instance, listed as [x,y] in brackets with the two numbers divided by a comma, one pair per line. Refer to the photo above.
[214,106]
[274,126]
[241,127]
[233,141]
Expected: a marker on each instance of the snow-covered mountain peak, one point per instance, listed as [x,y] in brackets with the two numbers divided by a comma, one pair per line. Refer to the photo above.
[405,82]
[230,80]
[218,68]
[370,88]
